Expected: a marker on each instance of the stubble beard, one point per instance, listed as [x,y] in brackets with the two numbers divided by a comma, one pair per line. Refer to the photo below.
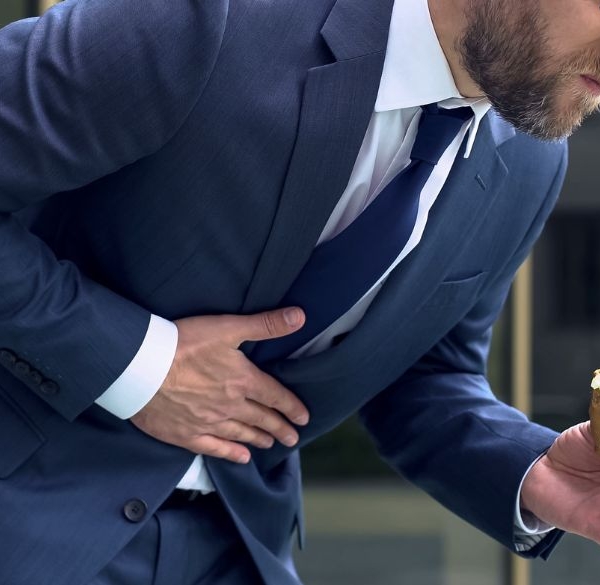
[505,50]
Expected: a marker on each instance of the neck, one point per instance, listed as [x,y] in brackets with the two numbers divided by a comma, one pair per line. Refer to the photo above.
[449,20]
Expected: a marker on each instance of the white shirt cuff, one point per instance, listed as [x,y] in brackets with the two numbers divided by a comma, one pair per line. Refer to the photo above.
[143,377]
[525,522]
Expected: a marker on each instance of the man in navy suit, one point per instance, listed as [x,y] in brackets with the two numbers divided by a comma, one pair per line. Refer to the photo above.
[166,172]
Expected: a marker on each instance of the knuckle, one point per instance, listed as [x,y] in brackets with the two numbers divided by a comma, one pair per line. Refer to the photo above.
[288,402]
[222,451]
[270,324]
[280,401]
[206,418]
[282,431]
[234,390]
[272,400]
[237,434]
[247,380]
[201,444]
[276,426]
[261,420]
[255,438]
[225,452]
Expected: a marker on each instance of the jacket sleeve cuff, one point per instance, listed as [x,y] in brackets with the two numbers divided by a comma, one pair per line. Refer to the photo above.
[527,523]
[143,377]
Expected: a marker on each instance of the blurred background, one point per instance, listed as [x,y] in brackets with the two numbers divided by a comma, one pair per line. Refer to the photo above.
[367,526]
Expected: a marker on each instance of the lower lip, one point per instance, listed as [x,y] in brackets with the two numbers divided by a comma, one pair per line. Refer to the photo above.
[591,84]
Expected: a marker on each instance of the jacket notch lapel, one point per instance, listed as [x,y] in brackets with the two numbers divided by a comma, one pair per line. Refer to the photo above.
[337,105]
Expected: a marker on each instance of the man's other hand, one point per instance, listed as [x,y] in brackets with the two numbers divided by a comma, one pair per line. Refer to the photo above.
[563,487]
[214,398]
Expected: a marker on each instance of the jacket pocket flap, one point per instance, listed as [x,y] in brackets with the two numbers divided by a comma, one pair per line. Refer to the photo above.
[455,291]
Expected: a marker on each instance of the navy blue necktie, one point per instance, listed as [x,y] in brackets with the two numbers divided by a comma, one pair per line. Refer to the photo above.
[341,271]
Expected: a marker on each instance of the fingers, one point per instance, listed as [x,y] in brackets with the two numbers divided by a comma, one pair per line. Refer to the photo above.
[270,393]
[271,422]
[269,406]
[233,430]
[219,448]
[266,325]
[224,445]
[222,440]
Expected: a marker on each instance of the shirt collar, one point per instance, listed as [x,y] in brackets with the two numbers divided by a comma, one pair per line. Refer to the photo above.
[406,83]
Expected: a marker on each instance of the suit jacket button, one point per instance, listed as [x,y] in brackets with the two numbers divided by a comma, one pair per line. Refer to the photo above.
[135,510]
[49,388]
[7,358]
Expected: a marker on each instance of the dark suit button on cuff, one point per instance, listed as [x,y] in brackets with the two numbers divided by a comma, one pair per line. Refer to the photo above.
[36,377]
[135,510]
[7,358]
[49,388]
[22,369]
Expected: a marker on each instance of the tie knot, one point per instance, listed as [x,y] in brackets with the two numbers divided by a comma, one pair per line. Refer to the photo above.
[437,128]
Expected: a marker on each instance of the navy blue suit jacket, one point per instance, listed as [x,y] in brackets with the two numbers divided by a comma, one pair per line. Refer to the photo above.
[182,158]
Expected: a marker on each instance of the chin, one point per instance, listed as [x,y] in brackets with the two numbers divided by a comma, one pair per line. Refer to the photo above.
[567,114]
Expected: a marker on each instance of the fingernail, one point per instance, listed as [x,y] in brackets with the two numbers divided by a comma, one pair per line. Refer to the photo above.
[302,419]
[243,459]
[292,317]
[290,440]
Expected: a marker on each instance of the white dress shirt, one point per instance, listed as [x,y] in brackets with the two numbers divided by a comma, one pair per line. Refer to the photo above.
[405,86]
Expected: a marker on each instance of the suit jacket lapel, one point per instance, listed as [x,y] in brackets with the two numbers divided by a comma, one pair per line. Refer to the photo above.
[337,105]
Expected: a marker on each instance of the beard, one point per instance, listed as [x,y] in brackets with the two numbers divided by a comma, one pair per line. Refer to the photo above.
[506,51]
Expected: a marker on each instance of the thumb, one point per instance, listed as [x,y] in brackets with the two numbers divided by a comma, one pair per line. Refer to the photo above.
[270,324]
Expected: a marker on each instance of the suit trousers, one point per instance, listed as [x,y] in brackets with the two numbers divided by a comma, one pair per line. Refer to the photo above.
[184,543]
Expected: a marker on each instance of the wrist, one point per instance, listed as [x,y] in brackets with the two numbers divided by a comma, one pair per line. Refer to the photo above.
[532,484]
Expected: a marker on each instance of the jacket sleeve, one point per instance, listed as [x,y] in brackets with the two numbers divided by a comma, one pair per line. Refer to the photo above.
[86,89]
[441,427]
